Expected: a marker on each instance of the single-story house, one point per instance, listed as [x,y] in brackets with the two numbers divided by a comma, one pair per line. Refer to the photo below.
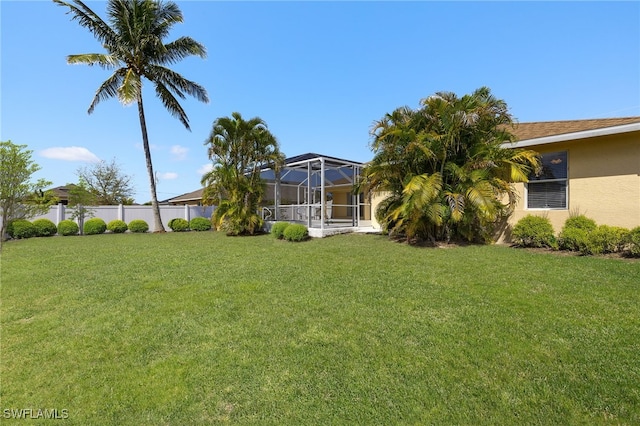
[590,167]
[193,198]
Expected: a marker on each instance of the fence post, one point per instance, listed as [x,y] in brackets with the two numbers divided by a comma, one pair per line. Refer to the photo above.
[121,212]
[187,213]
[59,213]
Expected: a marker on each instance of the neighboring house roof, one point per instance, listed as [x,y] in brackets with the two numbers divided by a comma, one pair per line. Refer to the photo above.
[62,192]
[189,196]
[543,132]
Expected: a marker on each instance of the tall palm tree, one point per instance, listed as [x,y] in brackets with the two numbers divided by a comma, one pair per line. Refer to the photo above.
[239,150]
[133,39]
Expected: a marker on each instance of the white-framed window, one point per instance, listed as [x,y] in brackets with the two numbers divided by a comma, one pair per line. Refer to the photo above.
[548,190]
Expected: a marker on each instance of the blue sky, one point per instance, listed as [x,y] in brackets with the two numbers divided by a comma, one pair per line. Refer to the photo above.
[319,74]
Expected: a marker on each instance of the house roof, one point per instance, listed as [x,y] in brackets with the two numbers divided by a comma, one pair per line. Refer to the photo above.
[189,196]
[62,192]
[544,132]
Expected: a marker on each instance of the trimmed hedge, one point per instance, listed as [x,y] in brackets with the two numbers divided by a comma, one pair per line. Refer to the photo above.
[178,224]
[534,231]
[295,232]
[94,226]
[21,228]
[634,242]
[575,232]
[138,226]
[277,229]
[200,224]
[117,226]
[68,227]
[605,239]
[44,228]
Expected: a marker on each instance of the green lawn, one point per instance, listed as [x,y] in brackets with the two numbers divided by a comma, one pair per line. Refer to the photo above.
[199,328]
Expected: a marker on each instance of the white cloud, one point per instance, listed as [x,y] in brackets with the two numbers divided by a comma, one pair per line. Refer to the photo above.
[179,152]
[205,169]
[70,153]
[167,176]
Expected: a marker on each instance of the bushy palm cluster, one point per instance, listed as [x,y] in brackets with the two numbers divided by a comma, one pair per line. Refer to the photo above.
[239,150]
[444,167]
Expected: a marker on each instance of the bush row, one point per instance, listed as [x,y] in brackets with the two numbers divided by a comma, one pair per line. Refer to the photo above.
[22,228]
[289,231]
[579,234]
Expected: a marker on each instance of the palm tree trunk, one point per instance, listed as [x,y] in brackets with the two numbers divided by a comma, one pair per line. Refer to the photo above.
[158,227]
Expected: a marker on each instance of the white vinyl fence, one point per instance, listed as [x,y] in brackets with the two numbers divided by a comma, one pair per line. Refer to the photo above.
[61,212]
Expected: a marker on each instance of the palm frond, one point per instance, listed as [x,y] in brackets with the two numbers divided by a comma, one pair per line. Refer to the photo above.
[108,89]
[171,104]
[102,60]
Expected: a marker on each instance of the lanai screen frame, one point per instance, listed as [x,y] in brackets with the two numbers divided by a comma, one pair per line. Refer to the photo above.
[315,165]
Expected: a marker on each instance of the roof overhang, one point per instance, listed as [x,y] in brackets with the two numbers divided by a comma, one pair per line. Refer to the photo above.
[606,131]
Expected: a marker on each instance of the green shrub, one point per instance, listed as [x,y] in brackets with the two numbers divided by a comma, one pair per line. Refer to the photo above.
[575,231]
[21,228]
[117,226]
[44,228]
[178,224]
[605,239]
[138,225]
[295,232]
[200,224]
[573,239]
[68,227]
[534,231]
[633,241]
[94,226]
[277,229]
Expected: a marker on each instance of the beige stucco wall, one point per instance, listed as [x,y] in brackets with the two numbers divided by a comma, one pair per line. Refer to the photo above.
[604,181]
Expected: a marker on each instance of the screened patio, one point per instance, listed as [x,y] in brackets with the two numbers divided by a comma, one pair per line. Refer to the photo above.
[317,191]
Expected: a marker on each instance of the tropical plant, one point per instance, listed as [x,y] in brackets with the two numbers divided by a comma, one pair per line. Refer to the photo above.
[239,150]
[444,167]
[17,193]
[133,39]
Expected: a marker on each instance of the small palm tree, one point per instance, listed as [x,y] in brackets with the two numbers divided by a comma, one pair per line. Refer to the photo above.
[239,149]
[133,39]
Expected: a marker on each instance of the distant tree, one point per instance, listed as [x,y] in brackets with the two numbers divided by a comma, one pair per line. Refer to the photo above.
[135,49]
[80,201]
[239,149]
[19,197]
[108,184]
[444,167]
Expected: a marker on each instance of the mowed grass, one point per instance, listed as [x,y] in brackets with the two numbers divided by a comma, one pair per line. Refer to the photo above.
[199,328]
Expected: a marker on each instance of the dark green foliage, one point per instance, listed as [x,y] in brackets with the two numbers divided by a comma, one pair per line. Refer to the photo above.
[68,227]
[277,230]
[633,240]
[605,239]
[44,228]
[94,226]
[21,228]
[534,231]
[295,232]
[178,224]
[200,224]
[138,225]
[117,226]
